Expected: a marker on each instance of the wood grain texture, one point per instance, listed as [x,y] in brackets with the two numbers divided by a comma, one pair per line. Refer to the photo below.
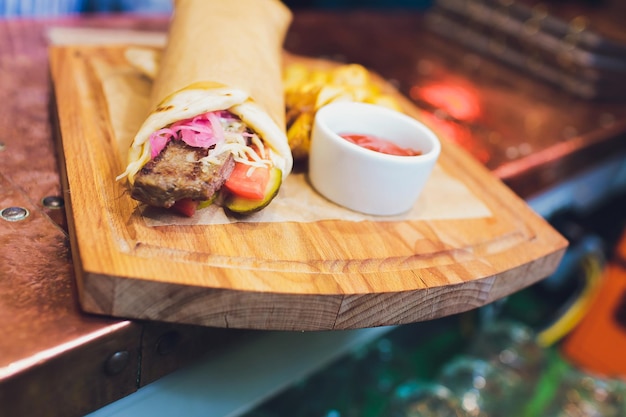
[285,276]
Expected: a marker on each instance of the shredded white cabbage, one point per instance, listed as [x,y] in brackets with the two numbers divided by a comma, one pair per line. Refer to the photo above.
[236,142]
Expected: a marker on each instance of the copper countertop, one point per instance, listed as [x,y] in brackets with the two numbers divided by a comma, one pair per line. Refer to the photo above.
[531,135]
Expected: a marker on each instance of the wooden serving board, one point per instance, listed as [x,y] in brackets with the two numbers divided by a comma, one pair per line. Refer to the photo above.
[330,274]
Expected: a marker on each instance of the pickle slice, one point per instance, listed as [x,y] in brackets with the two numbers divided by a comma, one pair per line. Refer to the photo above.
[242,206]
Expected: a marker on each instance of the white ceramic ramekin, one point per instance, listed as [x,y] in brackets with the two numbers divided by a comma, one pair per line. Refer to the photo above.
[361,179]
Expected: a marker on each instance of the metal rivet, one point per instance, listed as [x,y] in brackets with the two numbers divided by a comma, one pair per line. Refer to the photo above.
[53,202]
[167,342]
[117,362]
[14,214]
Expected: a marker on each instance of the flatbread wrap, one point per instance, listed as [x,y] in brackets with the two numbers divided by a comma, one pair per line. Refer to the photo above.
[217,120]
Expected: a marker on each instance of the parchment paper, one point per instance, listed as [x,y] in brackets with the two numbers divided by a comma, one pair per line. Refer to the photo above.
[127,94]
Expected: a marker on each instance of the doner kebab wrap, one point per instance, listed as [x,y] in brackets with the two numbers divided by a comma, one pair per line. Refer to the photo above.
[216,130]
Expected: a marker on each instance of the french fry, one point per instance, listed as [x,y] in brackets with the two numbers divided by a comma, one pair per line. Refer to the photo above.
[306,90]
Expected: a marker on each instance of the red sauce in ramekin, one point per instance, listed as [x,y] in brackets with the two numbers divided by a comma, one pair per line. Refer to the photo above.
[378,144]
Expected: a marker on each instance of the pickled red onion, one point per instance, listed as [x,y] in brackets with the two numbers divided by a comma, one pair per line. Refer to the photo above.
[202,131]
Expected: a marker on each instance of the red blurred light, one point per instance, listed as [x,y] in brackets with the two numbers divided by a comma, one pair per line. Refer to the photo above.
[455,100]
[458,134]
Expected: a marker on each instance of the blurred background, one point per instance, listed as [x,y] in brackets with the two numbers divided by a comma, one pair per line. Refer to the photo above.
[42,8]
[554,349]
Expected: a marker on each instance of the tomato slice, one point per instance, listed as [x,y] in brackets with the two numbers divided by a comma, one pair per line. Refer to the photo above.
[248,182]
[186,207]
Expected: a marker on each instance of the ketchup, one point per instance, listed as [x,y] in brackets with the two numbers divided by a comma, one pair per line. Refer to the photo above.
[378,144]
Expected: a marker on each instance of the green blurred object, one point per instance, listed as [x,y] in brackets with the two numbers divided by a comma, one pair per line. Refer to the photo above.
[483,388]
[453,367]
[417,398]
[363,382]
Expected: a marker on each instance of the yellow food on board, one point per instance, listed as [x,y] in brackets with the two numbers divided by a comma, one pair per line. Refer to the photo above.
[306,90]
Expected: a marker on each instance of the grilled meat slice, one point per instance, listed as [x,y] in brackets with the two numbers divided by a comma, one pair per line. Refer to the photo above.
[177,173]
